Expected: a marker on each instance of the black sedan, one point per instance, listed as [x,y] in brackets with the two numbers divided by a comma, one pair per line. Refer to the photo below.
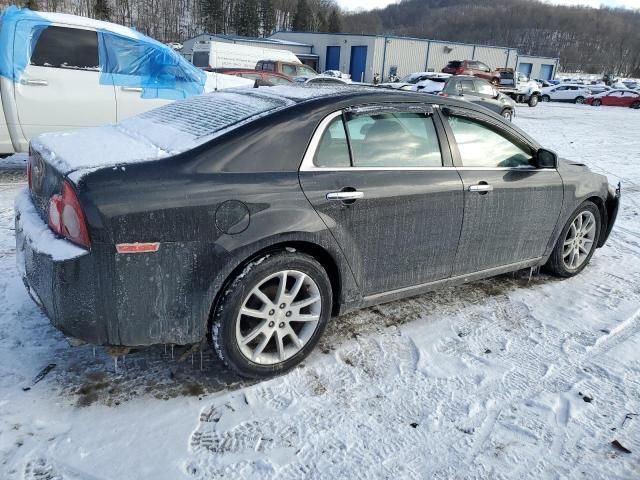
[251,217]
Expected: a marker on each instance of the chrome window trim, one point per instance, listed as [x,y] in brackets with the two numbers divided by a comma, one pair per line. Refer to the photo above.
[307,164]
[307,161]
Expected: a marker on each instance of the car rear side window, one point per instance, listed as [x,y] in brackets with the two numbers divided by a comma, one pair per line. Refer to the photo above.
[62,47]
[394,140]
[333,150]
[481,146]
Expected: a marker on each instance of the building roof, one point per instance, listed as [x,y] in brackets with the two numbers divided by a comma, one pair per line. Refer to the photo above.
[235,38]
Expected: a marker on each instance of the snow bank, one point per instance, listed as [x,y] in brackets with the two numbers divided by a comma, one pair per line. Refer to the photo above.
[38,233]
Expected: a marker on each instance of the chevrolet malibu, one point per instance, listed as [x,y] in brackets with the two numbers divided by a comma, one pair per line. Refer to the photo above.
[252,217]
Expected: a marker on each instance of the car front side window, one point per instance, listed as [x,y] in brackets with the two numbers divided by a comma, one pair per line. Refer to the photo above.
[482,147]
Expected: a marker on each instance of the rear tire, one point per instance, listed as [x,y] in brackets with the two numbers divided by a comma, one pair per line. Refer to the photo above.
[545,98]
[635,105]
[577,242]
[286,300]
[533,101]
[596,102]
[579,100]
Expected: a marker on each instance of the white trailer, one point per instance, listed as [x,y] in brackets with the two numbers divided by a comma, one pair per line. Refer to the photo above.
[232,55]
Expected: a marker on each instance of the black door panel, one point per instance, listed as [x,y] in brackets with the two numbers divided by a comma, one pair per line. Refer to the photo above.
[512,222]
[404,229]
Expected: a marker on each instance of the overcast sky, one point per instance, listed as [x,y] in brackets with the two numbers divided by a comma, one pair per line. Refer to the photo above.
[370,4]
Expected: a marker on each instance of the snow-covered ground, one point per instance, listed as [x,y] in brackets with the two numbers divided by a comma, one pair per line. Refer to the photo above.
[504,378]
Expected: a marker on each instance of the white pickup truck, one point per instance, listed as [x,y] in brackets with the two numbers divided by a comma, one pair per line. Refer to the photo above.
[61,72]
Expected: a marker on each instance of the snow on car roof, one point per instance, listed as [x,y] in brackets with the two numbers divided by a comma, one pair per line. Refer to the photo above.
[168,130]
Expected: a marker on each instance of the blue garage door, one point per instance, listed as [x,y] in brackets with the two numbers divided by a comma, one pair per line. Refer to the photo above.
[525,68]
[333,58]
[358,63]
[546,72]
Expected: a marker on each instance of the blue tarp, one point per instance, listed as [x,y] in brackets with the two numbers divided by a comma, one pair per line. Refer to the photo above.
[20,28]
[135,61]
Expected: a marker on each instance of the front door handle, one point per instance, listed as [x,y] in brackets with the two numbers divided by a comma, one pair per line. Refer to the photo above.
[345,195]
[131,89]
[34,82]
[481,188]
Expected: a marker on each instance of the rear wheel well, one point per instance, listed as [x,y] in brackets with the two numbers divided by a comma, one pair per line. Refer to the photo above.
[323,257]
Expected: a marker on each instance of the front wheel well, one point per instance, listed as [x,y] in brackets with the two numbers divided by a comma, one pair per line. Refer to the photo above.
[603,216]
[321,255]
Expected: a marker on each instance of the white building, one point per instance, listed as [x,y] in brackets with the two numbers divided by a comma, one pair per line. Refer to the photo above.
[362,56]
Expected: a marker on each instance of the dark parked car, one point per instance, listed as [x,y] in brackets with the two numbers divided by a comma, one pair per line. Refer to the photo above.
[261,77]
[480,92]
[252,216]
[472,68]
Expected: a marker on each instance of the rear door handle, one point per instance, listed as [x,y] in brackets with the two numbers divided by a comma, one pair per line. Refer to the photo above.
[342,196]
[481,187]
[34,82]
[131,89]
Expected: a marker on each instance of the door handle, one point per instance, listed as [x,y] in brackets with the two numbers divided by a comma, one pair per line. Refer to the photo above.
[37,83]
[131,89]
[481,188]
[345,196]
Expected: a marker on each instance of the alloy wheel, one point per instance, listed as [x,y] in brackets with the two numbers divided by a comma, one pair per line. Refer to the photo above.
[580,240]
[278,317]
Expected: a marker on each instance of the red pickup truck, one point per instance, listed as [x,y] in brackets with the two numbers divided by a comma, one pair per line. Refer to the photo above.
[473,68]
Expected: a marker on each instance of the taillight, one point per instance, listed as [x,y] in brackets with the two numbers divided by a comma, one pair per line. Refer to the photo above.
[443,94]
[66,217]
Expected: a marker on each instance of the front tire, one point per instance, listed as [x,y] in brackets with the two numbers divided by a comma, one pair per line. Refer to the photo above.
[596,102]
[272,315]
[533,101]
[577,242]
[545,98]
[579,100]
[635,105]
[507,114]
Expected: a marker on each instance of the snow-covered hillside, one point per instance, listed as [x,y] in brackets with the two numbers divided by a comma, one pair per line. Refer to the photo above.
[506,378]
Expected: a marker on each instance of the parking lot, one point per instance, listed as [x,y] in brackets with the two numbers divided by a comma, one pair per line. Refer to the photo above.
[517,376]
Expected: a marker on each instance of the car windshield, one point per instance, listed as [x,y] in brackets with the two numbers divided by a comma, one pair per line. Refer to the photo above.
[411,78]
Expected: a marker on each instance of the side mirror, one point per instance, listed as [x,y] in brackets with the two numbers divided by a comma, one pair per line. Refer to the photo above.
[546,159]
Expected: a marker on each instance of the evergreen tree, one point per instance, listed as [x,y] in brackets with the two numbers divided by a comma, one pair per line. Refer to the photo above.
[32,4]
[247,18]
[267,17]
[302,17]
[102,10]
[212,12]
[334,24]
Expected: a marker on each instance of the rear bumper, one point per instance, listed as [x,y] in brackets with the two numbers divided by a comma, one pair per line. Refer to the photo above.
[105,298]
[58,275]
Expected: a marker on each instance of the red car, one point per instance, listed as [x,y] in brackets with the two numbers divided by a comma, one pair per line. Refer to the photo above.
[615,98]
[262,77]
[473,68]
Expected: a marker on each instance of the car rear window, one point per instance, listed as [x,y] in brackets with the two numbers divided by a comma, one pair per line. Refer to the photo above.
[182,125]
[454,64]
